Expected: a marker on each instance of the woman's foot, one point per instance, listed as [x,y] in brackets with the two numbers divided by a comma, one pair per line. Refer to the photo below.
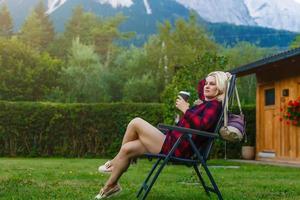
[106,168]
[109,191]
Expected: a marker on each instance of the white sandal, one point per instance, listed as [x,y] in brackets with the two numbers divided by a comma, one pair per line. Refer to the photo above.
[111,192]
[106,168]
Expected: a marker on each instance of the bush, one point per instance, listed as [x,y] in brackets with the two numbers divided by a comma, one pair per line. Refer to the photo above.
[84,130]
[69,130]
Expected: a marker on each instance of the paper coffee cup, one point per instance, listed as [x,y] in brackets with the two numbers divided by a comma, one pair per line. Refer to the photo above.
[185,95]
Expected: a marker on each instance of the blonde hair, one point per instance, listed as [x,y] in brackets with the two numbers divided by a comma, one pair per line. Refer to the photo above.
[222,79]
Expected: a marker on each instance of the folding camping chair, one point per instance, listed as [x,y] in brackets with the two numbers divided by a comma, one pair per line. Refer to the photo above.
[200,155]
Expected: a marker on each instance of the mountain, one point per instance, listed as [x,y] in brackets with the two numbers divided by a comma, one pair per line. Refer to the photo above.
[277,14]
[216,11]
[241,22]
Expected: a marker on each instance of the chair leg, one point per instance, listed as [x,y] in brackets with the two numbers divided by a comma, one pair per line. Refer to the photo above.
[148,177]
[211,179]
[216,189]
[165,161]
[148,188]
[201,179]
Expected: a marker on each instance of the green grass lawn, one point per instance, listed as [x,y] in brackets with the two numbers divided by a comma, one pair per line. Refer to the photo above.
[49,178]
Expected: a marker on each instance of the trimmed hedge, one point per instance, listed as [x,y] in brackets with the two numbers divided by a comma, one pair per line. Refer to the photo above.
[84,130]
[69,130]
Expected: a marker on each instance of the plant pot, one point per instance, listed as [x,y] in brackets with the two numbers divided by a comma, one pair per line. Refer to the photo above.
[248,152]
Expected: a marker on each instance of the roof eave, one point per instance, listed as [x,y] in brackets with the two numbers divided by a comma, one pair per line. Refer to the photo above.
[253,67]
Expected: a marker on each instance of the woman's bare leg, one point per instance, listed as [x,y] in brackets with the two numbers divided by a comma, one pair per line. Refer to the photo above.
[134,126]
[149,135]
[128,151]
[149,139]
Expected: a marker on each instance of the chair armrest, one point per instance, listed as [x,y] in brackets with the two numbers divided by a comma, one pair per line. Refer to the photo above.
[189,131]
[163,130]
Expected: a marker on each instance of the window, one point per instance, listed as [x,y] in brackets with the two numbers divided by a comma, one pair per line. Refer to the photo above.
[270,97]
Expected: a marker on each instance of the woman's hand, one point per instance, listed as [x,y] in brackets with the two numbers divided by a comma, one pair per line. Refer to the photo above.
[181,104]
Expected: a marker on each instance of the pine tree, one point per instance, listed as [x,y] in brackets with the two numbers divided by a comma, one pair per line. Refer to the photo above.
[75,25]
[6,24]
[31,32]
[38,31]
[46,25]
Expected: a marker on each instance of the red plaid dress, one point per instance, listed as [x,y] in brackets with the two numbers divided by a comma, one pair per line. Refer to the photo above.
[202,117]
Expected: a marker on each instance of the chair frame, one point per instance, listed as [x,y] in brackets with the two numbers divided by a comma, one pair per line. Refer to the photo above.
[200,156]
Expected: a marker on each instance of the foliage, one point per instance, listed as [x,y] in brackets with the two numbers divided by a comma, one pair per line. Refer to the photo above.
[130,78]
[241,54]
[141,90]
[46,24]
[187,78]
[296,42]
[26,74]
[6,23]
[51,129]
[48,129]
[107,72]
[292,113]
[93,30]
[174,47]
[82,78]
[37,31]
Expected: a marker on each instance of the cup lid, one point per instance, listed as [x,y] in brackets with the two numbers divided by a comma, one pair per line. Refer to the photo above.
[184,92]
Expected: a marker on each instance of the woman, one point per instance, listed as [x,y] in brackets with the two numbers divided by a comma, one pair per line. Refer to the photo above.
[141,137]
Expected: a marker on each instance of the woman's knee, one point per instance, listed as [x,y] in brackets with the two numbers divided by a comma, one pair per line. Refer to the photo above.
[126,149]
[134,123]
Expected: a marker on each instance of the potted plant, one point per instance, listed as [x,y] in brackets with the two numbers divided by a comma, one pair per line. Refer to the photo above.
[248,148]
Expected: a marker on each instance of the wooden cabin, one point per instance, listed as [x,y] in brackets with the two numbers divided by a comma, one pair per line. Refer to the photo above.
[278,82]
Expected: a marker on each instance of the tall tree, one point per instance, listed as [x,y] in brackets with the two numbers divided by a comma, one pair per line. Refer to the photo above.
[104,35]
[82,78]
[6,24]
[37,31]
[32,31]
[26,74]
[80,25]
[243,53]
[129,78]
[46,23]
[176,46]
[100,32]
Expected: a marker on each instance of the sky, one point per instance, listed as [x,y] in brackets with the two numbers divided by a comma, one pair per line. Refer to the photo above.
[298,1]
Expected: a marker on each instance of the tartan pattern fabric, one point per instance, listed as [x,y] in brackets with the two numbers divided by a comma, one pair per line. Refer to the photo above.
[201,117]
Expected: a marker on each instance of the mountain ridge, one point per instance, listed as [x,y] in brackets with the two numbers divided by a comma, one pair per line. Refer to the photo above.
[143,16]
[265,13]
